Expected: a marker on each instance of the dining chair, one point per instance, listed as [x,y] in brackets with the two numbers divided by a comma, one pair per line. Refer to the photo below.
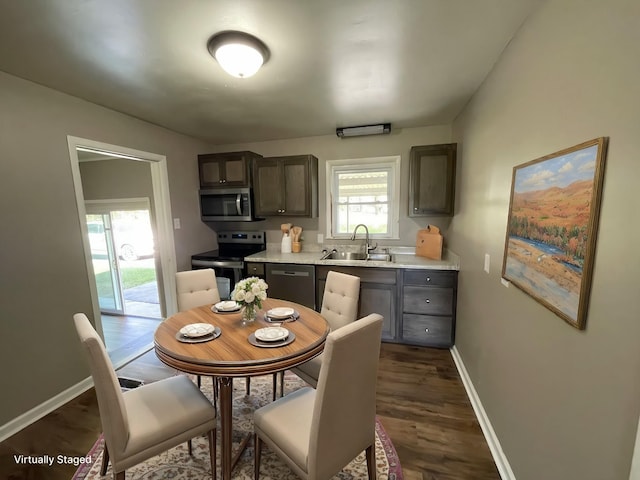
[194,289]
[317,432]
[145,421]
[339,308]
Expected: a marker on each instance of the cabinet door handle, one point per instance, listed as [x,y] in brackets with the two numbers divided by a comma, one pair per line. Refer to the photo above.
[426,330]
[428,279]
[428,301]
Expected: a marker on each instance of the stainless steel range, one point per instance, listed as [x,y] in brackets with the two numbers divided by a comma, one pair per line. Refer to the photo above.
[228,260]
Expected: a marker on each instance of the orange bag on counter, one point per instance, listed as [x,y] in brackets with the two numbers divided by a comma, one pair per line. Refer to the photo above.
[429,243]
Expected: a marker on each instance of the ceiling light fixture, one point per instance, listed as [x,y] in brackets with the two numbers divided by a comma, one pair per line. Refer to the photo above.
[238,53]
[364,130]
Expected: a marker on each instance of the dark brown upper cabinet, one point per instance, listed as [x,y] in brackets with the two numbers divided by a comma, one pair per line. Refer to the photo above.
[432,180]
[286,186]
[230,169]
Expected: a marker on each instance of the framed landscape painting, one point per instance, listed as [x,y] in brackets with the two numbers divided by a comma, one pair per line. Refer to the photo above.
[552,227]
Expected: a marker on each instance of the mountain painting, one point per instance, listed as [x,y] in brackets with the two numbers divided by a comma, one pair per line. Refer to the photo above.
[552,225]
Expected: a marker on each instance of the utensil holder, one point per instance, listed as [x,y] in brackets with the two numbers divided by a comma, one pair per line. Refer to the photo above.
[296,247]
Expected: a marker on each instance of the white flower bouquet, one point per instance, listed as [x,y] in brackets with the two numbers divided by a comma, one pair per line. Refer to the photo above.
[250,293]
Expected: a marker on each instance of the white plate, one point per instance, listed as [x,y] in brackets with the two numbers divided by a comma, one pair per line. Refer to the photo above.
[280,312]
[271,334]
[195,330]
[227,306]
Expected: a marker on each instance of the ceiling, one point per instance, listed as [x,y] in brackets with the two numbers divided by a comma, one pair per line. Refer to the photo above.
[333,63]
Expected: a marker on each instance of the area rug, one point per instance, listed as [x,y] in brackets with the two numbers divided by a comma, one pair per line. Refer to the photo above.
[176,463]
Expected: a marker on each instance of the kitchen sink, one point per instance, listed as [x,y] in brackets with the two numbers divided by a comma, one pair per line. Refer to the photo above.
[381,257]
[346,256]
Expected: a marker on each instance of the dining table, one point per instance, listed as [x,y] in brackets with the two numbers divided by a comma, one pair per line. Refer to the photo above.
[234,352]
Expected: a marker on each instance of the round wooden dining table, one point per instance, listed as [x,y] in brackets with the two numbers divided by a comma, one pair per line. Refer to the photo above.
[232,355]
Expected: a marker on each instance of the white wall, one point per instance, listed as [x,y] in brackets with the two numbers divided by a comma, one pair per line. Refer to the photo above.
[564,403]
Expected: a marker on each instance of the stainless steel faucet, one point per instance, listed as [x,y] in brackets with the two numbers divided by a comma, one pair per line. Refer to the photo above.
[367,246]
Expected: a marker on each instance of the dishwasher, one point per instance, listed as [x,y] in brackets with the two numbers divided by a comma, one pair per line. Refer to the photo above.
[293,282]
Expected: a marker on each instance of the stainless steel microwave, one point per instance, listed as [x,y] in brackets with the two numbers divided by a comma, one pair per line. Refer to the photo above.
[226,204]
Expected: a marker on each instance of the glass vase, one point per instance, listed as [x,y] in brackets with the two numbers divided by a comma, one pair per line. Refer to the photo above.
[249,312]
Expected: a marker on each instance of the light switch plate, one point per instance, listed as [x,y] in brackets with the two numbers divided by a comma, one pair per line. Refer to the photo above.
[487,262]
[320,238]
[176,224]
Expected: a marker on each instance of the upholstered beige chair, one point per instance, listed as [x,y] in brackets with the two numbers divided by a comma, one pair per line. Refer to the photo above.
[317,432]
[339,308]
[143,422]
[196,288]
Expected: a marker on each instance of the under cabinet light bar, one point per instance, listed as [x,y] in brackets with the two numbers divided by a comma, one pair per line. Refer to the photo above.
[363,130]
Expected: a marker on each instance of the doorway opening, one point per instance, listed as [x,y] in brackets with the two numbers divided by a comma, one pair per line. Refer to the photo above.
[124,211]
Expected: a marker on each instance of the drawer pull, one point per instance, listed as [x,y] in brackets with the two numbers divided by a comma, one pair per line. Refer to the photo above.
[428,301]
[426,330]
[428,279]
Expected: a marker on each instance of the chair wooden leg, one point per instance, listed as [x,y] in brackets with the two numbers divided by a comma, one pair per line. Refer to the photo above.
[212,452]
[257,450]
[190,447]
[199,380]
[248,385]
[371,461]
[105,461]
[119,475]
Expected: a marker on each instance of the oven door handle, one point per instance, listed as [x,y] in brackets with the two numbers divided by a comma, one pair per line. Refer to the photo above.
[217,263]
[238,204]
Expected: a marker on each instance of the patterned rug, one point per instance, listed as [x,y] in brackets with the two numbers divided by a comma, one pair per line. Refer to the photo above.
[176,463]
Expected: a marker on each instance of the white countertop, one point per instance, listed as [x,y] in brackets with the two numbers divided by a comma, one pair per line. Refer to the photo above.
[401,259]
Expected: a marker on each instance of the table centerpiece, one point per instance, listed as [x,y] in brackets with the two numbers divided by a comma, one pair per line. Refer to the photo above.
[249,294]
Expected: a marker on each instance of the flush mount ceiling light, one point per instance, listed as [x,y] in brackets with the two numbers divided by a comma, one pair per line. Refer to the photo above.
[238,53]
[363,130]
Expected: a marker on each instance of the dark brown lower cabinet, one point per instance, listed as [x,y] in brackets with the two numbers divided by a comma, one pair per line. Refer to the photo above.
[427,330]
[418,306]
[378,293]
[429,307]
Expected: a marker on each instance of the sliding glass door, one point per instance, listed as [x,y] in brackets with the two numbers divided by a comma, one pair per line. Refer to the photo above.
[123,256]
[105,263]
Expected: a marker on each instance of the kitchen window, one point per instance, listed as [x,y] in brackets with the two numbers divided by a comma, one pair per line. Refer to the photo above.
[364,190]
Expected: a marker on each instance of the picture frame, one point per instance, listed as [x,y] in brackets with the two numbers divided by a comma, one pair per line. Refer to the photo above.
[552,228]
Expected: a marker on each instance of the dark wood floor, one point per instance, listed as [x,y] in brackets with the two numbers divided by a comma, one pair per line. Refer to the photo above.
[425,410]
[421,402]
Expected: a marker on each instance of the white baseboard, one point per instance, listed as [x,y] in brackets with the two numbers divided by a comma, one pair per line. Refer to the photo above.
[36,413]
[502,463]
